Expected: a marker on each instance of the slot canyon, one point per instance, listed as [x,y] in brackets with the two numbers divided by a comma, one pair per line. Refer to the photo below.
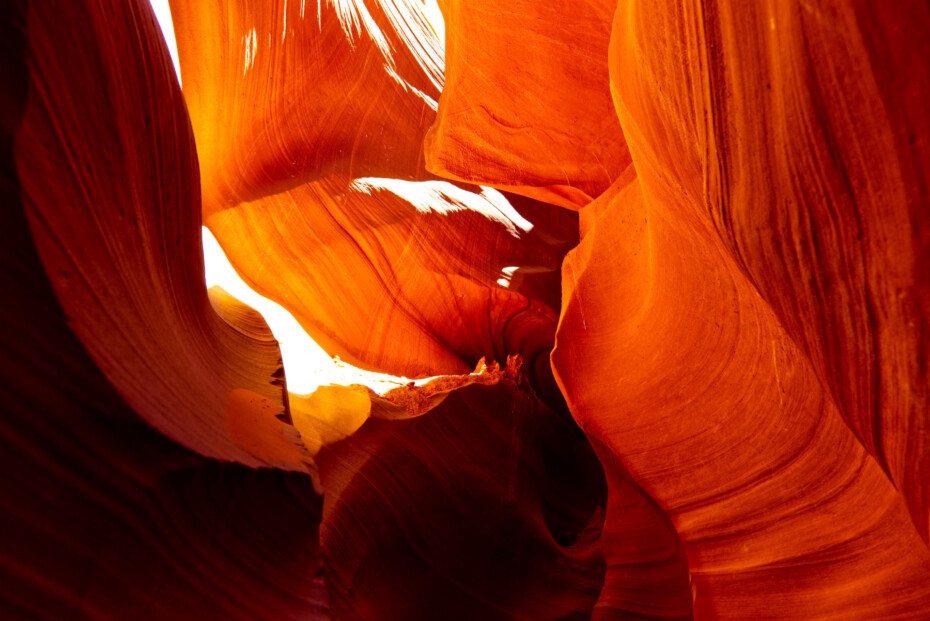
[478,310]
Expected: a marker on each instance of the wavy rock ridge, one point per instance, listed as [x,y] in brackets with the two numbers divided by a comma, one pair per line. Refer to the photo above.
[668,265]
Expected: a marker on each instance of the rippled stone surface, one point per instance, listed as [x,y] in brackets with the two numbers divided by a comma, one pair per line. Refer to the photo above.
[667,261]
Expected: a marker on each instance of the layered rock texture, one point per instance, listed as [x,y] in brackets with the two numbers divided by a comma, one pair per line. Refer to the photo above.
[667,265]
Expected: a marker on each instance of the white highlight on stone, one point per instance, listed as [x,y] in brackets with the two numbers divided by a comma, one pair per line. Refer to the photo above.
[445,198]
[163,15]
[251,49]
[306,365]
[284,25]
[507,275]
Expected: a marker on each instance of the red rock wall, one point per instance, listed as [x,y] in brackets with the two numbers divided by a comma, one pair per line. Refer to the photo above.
[704,269]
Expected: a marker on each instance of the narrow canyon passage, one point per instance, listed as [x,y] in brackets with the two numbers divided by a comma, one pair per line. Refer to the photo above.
[368,309]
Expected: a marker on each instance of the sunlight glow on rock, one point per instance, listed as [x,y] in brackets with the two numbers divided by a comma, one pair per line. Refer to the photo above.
[306,364]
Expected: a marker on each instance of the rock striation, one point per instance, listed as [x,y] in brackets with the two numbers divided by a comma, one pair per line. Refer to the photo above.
[646,285]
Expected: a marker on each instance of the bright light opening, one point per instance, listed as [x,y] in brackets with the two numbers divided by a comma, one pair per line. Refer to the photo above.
[163,15]
[307,365]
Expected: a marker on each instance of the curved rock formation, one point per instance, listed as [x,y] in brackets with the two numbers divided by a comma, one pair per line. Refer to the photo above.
[283,94]
[108,181]
[104,339]
[526,103]
[452,274]
[681,327]
[670,359]
[413,505]
[804,143]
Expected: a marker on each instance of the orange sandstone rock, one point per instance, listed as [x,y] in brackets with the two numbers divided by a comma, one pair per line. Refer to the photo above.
[108,181]
[798,132]
[411,278]
[101,515]
[283,94]
[526,103]
[670,359]
[483,507]
[742,332]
